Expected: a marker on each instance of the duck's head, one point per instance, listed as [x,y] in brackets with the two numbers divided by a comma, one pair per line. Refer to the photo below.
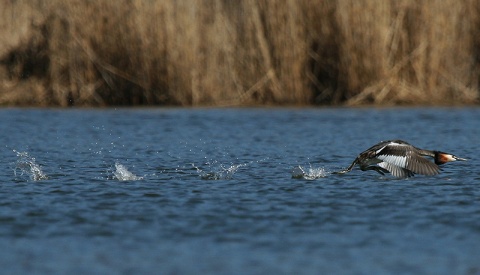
[442,157]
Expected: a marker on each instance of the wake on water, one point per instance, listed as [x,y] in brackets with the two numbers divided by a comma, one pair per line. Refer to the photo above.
[26,165]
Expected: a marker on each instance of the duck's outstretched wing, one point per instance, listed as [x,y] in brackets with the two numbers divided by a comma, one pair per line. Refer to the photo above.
[421,165]
[405,158]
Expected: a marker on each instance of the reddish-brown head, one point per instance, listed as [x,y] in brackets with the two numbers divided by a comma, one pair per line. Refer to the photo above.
[442,158]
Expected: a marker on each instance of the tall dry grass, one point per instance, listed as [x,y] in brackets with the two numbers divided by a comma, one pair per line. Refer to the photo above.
[410,52]
[222,53]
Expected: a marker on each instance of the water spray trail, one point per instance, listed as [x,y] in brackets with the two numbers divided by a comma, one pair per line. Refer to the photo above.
[122,173]
[27,165]
[300,172]
[220,173]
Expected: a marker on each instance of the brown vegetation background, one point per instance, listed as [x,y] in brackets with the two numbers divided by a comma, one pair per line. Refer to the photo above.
[228,53]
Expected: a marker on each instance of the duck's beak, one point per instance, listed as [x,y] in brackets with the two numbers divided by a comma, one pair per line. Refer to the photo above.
[457,158]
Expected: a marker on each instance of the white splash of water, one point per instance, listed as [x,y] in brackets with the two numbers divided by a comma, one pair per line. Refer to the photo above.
[122,173]
[310,173]
[27,166]
[221,173]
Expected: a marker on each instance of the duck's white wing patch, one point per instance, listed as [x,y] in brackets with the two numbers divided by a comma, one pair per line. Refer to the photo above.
[379,150]
[396,171]
[395,143]
[400,161]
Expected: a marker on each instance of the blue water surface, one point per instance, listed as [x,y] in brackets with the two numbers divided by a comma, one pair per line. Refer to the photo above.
[214,191]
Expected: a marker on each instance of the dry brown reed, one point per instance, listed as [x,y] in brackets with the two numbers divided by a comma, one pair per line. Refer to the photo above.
[230,53]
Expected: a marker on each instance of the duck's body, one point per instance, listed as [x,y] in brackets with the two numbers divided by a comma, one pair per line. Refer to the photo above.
[400,159]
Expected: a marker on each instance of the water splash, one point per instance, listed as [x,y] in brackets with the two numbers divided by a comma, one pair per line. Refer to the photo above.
[310,173]
[122,173]
[27,166]
[220,173]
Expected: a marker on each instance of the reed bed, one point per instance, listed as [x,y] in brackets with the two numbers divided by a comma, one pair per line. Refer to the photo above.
[236,53]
